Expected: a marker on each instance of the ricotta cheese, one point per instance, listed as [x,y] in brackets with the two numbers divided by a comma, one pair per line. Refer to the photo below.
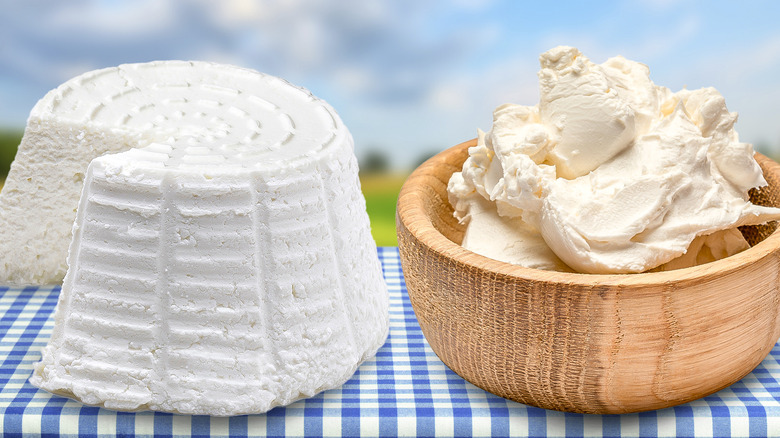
[221,264]
[613,173]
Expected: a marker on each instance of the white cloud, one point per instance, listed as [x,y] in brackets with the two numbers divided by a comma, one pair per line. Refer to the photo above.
[240,12]
[110,19]
[355,79]
[449,96]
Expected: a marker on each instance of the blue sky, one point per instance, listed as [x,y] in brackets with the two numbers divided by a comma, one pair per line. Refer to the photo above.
[407,77]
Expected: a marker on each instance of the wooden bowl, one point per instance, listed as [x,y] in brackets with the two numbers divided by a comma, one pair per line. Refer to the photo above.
[589,343]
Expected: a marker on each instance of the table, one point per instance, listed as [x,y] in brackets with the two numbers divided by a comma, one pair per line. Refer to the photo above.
[404,391]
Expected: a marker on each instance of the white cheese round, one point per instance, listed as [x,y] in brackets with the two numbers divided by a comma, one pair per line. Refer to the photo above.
[223,265]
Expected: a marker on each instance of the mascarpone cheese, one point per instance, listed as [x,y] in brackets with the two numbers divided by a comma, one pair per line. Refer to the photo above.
[221,264]
[613,173]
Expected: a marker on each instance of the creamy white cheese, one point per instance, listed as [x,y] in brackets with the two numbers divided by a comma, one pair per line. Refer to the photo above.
[614,173]
[224,265]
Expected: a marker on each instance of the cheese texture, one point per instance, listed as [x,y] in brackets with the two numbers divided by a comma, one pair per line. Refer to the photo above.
[222,264]
[612,172]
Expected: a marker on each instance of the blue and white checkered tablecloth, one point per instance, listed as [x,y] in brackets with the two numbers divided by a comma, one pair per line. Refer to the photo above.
[405,391]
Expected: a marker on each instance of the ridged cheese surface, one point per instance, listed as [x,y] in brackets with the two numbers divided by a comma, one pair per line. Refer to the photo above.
[222,266]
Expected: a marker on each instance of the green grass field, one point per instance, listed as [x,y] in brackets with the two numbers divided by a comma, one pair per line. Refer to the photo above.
[9,140]
[381,192]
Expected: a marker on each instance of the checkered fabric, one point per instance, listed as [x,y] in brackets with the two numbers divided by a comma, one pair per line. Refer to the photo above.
[405,391]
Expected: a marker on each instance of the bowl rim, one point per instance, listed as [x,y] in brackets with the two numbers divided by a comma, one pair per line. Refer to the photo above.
[410,214]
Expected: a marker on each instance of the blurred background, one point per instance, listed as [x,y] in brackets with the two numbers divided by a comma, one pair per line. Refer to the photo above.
[408,77]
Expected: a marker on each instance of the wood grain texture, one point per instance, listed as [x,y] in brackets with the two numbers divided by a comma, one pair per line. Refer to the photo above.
[583,342]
